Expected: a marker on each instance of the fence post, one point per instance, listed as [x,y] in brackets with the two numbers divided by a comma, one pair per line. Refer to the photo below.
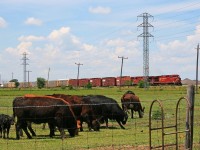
[190,118]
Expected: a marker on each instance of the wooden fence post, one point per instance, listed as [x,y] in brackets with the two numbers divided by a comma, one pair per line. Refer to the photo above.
[190,118]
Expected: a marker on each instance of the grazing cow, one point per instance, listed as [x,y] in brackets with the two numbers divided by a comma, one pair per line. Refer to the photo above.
[44,109]
[82,109]
[5,123]
[107,108]
[130,101]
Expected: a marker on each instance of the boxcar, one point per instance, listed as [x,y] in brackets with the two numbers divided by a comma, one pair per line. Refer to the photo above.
[73,82]
[96,82]
[125,80]
[83,82]
[136,80]
[109,81]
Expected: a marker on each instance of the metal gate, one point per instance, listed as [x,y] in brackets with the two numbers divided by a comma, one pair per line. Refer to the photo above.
[163,127]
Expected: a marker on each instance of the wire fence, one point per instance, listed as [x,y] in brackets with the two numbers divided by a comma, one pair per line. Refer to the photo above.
[134,136]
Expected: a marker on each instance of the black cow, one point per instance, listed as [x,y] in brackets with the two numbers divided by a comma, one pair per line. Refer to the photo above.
[130,101]
[5,123]
[82,108]
[107,108]
[44,109]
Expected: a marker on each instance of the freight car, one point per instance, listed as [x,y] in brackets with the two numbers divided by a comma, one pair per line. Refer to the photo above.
[123,81]
[108,81]
[96,82]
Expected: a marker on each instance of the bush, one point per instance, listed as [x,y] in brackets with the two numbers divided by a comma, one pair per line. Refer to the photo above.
[63,87]
[141,84]
[40,82]
[157,115]
[89,86]
[70,87]
[16,82]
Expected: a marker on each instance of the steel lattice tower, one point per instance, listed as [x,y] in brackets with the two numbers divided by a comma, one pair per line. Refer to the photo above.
[24,64]
[145,36]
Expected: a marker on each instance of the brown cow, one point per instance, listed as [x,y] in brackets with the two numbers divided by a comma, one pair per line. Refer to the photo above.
[130,101]
[44,109]
[82,110]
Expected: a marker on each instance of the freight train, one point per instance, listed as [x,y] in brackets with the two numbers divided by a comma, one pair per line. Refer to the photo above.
[108,81]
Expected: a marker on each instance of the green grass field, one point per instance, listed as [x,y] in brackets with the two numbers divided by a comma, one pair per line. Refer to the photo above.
[136,134]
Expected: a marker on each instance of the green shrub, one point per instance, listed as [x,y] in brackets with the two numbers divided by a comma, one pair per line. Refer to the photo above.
[157,115]
[63,87]
[141,84]
[40,82]
[88,86]
[16,82]
[70,87]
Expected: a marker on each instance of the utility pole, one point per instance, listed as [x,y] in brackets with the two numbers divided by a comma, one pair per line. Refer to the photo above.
[197,64]
[78,64]
[12,75]
[48,78]
[25,64]
[145,36]
[122,57]
[28,78]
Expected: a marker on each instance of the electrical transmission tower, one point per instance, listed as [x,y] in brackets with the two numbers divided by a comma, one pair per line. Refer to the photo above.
[25,64]
[145,36]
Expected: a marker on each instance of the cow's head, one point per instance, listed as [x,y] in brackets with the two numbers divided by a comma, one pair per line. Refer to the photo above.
[125,118]
[96,125]
[141,112]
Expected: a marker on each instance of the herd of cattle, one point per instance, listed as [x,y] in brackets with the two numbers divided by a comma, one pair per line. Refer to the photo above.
[68,112]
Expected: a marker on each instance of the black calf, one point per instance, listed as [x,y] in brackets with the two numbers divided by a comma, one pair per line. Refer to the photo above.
[5,122]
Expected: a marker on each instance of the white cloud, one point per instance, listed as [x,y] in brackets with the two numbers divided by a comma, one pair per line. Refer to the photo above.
[31,38]
[100,10]
[88,47]
[20,49]
[56,34]
[3,23]
[33,21]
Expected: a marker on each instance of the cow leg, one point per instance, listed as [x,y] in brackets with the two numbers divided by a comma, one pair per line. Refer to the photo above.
[106,120]
[132,113]
[31,129]
[21,132]
[62,133]
[52,129]
[0,132]
[8,130]
[4,133]
[24,127]
[43,126]
[18,130]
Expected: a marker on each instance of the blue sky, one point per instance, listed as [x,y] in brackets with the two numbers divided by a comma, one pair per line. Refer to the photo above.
[56,34]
